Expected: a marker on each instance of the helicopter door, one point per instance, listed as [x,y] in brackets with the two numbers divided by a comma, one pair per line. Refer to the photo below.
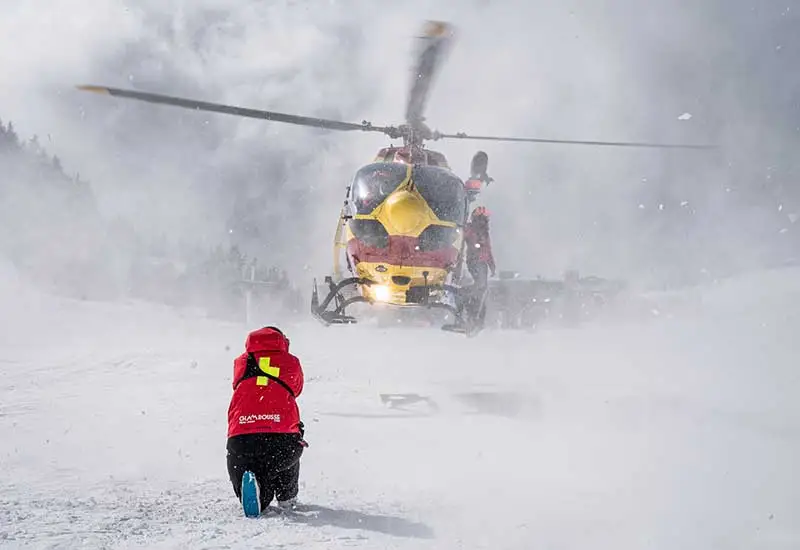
[340,246]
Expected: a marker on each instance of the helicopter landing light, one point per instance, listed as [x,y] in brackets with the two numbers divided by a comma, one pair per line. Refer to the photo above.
[382,293]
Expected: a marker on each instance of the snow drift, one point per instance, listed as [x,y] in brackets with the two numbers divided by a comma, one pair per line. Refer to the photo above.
[680,432]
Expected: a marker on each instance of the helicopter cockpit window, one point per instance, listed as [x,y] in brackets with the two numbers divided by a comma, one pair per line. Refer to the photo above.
[373,183]
[443,192]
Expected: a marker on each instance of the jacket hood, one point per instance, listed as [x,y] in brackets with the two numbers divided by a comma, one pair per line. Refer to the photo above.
[266,339]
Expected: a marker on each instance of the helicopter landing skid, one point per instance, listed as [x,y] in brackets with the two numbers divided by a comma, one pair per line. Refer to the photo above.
[332,310]
[337,315]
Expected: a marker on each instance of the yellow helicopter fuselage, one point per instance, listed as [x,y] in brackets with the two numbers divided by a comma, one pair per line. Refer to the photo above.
[400,229]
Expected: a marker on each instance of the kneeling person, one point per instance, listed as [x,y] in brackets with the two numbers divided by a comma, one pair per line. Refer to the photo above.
[265,434]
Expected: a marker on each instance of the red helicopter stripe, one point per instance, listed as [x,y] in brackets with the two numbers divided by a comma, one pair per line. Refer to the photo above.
[402,251]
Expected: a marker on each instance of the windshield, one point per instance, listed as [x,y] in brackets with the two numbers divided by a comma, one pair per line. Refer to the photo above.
[373,183]
[442,190]
[437,237]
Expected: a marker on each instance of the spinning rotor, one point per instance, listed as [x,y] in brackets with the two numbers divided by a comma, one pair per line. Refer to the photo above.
[433,46]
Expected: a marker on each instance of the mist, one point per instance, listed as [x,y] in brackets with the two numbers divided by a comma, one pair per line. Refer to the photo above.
[615,70]
[665,420]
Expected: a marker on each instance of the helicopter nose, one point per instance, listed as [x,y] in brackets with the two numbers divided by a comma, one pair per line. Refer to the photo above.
[405,212]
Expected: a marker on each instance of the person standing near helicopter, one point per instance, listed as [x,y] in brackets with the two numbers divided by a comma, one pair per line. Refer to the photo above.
[479,258]
[480,261]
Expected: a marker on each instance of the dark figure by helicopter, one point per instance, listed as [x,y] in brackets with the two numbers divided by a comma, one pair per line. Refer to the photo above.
[480,262]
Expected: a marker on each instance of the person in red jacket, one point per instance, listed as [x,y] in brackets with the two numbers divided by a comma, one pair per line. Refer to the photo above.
[480,261]
[265,434]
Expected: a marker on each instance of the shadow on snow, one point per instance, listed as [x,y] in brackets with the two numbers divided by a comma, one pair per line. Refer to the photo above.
[319,516]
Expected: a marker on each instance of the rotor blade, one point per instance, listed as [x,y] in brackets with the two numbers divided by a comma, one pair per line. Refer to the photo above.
[438,135]
[431,50]
[237,111]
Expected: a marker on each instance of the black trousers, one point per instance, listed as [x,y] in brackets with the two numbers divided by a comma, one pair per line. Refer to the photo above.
[475,301]
[480,273]
[273,458]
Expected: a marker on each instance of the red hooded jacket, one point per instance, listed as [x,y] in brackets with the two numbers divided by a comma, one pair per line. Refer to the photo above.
[260,403]
[479,245]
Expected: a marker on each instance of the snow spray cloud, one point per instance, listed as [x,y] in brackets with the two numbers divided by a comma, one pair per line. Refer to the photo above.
[611,70]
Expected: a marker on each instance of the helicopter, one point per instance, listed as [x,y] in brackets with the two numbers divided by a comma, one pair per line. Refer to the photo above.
[399,238]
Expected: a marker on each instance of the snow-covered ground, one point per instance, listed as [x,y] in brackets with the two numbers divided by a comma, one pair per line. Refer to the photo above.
[679,433]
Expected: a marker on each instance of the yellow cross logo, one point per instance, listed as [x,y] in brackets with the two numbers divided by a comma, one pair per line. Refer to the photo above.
[265,367]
